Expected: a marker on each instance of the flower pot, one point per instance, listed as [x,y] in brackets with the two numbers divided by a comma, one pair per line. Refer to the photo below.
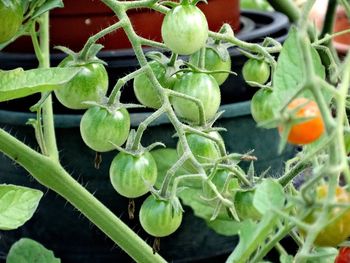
[61,228]
[82,18]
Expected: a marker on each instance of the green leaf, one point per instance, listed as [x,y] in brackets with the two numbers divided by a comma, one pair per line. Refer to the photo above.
[290,74]
[268,194]
[26,250]
[17,205]
[48,5]
[225,227]
[19,83]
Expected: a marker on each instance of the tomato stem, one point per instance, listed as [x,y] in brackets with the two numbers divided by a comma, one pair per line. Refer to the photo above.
[47,111]
[92,40]
[52,175]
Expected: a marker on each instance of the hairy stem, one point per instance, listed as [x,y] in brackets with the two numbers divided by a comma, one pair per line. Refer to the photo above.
[51,174]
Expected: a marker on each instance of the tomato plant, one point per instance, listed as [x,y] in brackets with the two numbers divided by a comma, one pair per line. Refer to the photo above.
[214,182]
[90,84]
[204,149]
[145,91]
[185,29]
[309,130]
[343,256]
[202,87]
[158,217]
[11,16]
[256,71]
[103,128]
[214,61]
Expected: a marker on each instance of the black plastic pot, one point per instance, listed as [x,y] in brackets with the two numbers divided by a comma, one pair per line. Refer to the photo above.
[61,228]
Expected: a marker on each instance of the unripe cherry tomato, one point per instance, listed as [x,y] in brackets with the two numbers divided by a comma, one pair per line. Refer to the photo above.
[185,29]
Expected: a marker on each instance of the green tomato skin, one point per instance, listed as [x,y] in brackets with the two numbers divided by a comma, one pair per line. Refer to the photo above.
[244,206]
[99,127]
[264,105]
[214,62]
[145,92]
[201,86]
[90,84]
[11,18]
[185,29]
[158,217]
[203,149]
[132,176]
[256,70]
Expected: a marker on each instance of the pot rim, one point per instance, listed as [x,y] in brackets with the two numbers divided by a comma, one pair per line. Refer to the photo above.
[238,109]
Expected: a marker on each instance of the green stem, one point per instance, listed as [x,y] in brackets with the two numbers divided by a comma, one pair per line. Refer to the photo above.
[274,241]
[173,59]
[121,82]
[201,63]
[143,126]
[51,174]
[47,111]
[341,115]
[102,33]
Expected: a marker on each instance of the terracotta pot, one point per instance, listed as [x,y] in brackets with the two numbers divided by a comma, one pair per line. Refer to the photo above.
[79,19]
[342,22]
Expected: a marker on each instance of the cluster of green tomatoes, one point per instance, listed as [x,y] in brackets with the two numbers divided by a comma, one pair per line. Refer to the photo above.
[106,124]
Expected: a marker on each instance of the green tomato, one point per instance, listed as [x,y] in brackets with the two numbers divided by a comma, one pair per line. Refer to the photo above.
[90,84]
[214,62]
[132,176]
[11,17]
[264,105]
[99,127]
[185,29]
[158,217]
[201,86]
[203,149]
[256,70]
[244,205]
[144,90]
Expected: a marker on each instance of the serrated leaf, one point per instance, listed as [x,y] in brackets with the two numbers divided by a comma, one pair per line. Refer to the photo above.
[19,83]
[17,205]
[268,194]
[48,5]
[290,74]
[26,250]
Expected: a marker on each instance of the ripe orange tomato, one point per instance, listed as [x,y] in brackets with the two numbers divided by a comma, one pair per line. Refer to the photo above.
[307,131]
